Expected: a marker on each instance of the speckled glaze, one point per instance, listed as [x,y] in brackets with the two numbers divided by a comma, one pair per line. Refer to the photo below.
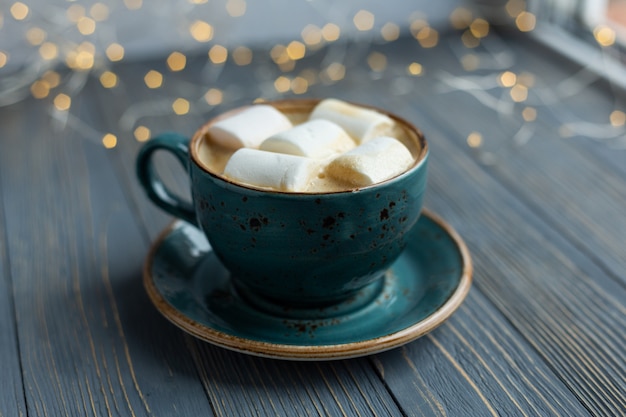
[295,249]
[188,284]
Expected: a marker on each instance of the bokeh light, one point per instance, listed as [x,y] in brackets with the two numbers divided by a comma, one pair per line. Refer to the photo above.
[201,31]
[141,133]
[62,102]
[519,93]
[40,89]
[99,12]
[176,61]
[86,25]
[390,32]
[242,55]
[474,140]
[236,8]
[617,118]
[19,10]
[48,51]
[109,141]
[363,20]
[181,106]
[377,61]
[133,4]
[36,36]
[526,21]
[115,52]
[218,54]
[415,68]
[604,35]
[108,79]
[214,96]
[153,79]
[529,114]
[331,32]
[507,79]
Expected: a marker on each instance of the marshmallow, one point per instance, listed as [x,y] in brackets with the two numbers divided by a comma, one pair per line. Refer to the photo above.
[314,139]
[360,123]
[271,170]
[377,160]
[249,128]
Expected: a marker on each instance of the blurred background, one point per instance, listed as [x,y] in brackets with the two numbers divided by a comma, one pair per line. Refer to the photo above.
[49,49]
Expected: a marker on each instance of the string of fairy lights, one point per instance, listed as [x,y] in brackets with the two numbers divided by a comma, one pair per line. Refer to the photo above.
[56,66]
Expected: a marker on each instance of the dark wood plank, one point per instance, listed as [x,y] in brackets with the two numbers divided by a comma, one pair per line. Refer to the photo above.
[581,195]
[455,190]
[244,385]
[560,348]
[12,391]
[475,364]
[564,304]
[90,341]
[470,383]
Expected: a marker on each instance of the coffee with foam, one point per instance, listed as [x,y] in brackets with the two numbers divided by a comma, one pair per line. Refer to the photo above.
[324,147]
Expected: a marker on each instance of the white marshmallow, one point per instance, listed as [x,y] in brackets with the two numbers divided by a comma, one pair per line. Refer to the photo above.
[314,139]
[249,128]
[360,123]
[271,170]
[372,162]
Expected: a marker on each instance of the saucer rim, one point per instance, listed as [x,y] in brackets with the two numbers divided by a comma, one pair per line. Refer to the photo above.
[315,352]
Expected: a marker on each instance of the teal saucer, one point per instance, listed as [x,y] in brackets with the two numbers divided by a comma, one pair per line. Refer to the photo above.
[190,287]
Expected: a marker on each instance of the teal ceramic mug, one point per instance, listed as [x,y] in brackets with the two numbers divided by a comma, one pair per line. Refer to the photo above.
[294,250]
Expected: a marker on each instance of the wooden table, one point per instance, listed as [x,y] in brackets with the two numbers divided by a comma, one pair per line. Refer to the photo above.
[532,187]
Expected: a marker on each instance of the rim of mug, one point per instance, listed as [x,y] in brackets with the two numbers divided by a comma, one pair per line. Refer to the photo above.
[306,105]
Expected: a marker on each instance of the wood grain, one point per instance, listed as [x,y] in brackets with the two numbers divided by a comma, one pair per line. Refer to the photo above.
[541,333]
[12,401]
[86,329]
[554,286]
[564,304]
[467,369]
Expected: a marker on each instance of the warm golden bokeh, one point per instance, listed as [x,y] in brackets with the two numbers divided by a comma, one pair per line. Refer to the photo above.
[474,140]
[604,35]
[141,133]
[115,52]
[40,89]
[19,10]
[529,114]
[62,102]
[363,20]
[617,118]
[526,21]
[377,61]
[201,31]
[415,68]
[214,96]
[242,55]
[176,61]
[507,79]
[36,36]
[390,32]
[108,79]
[218,54]
[181,106]
[153,79]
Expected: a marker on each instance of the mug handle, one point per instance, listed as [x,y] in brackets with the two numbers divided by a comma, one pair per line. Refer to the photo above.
[178,145]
